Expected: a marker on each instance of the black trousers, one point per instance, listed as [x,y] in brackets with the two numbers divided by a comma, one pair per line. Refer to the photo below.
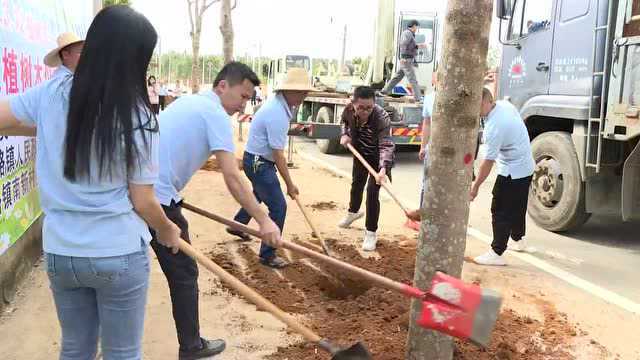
[509,210]
[359,178]
[182,275]
[163,101]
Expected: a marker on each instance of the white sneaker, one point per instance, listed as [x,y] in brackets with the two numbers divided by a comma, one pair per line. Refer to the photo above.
[349,219]
[370,240]
[490,258]
[519,246]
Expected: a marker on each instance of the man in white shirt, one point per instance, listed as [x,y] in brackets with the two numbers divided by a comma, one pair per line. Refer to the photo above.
[506,142]
[192,129]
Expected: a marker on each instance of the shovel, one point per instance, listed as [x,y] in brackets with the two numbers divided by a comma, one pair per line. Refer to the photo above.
[356,351]
[451,306]
[374,174]
[315,232]
[411,223]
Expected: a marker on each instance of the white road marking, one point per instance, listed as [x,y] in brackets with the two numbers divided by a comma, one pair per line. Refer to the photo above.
[589,287]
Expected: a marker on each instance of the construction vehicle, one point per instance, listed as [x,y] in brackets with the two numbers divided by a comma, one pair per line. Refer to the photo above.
[572,68]
[319,116]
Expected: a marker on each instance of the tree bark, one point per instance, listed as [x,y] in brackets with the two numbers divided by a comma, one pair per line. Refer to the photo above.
[226,29]
[197,9]
[445,213]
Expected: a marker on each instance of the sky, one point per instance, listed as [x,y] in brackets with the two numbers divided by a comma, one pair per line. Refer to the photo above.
[274,27]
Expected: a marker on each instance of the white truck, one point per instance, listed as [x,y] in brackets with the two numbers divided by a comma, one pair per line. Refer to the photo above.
[319,116]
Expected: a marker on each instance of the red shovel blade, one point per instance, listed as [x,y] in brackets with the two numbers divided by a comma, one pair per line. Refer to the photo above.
[467,312]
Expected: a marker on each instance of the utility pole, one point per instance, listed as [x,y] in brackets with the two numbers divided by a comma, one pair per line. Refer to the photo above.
[159,58]
[202,82]
[344,49]
[445,213]
[210,66]
[97,6]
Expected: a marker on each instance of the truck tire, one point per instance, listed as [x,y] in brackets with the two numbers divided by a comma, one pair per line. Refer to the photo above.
[327,146]
[557,195]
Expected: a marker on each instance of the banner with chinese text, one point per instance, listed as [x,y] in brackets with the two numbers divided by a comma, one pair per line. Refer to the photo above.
[28,30]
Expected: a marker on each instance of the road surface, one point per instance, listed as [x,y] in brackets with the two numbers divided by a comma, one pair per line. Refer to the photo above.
[605,251]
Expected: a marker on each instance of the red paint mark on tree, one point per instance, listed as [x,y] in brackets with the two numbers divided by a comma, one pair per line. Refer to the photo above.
[468,158]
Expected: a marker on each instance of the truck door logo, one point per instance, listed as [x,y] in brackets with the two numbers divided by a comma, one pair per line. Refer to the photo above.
[517,71]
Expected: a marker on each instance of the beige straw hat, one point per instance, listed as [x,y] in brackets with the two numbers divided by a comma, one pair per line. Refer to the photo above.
[296,79]
[65,39]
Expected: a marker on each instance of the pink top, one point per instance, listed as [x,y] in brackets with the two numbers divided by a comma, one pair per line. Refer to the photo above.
[152,90]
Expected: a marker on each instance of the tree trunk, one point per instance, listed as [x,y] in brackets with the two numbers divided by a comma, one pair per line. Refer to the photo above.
[226,29]
[195,47]
[445,212]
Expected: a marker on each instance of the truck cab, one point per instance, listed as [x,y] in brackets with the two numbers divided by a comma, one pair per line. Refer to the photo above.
[426,34]
[570,67]
[276,69]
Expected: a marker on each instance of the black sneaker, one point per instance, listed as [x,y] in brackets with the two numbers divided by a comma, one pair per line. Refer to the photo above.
[274,262]
[209,348]
[241,234]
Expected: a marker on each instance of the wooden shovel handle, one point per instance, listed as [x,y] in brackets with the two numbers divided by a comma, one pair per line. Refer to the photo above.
[248,293]
[374,174]
[323,244]
[362,273]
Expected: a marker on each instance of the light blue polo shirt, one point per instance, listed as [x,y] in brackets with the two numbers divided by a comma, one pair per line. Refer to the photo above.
[84,218]
[506,141]
[427,106]
[269,128]
[191,129]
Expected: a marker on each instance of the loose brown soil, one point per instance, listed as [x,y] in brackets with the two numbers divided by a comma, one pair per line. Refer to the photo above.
[379,317]
[324,205]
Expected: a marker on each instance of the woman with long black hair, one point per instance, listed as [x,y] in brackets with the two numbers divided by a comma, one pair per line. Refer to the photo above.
[97,161]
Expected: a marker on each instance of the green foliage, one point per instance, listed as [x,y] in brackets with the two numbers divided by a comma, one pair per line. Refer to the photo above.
[106,3]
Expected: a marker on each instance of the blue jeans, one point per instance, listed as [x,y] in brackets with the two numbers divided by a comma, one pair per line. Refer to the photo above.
[100,297]
[266,188]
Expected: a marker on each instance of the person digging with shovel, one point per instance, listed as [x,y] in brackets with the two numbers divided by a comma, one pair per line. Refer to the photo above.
[192,129]
[506,142]
[264,156]
[367,127]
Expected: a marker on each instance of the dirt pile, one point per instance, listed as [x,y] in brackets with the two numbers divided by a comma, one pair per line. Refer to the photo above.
[324,205]
[379,317]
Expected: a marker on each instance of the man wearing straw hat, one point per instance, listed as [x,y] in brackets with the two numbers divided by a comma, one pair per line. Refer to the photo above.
[264,156]
[67,53]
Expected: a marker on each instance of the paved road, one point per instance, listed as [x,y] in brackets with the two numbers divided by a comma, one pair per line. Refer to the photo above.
[605,251]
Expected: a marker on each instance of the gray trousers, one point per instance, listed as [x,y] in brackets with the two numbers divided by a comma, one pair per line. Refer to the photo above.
[409,70]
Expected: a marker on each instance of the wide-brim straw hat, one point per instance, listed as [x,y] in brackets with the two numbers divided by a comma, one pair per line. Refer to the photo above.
[53,59]
[296,79]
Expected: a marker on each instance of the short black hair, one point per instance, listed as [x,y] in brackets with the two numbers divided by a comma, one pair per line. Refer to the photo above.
[487,96]
[413,23]
[364,92]
[235,73]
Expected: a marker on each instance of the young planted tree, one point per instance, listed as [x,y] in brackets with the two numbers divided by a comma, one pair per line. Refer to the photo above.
[445,212]
[226,29]
[197,8]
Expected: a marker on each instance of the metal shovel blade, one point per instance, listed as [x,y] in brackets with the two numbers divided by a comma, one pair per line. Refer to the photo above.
[469,312]
[356,351]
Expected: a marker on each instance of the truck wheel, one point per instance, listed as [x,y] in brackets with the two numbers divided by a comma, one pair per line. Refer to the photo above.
[327,146]
[557,195]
